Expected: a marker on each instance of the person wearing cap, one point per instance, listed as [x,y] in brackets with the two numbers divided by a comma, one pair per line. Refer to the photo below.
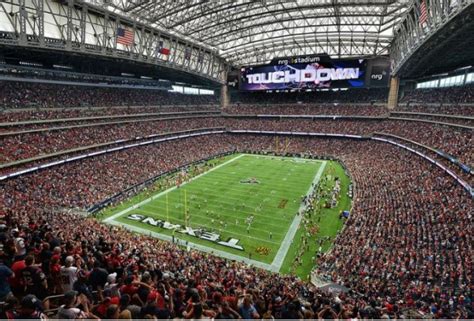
[112,284]
[71,307]
[9,308]
[30,308]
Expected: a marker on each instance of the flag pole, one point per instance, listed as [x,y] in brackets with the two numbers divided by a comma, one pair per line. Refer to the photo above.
[167,209]
[185,207]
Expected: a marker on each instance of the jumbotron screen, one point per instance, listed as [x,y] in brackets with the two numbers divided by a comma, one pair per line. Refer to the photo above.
[304,72]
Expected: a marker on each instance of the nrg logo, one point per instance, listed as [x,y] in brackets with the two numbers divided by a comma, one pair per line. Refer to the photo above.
[376,76]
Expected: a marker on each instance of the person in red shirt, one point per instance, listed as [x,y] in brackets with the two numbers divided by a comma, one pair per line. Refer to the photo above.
[156,297]
[108,301]
[55,272]
[16,283]
[129,287]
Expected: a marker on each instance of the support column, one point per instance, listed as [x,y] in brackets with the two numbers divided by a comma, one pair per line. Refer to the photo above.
[224,96]
[393,93]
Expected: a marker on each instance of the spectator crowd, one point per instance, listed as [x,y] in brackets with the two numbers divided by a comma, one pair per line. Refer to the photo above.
[448,109]
[455,141]
[45,114]
[307,109]
[406,250]
[42,95]
[448,95]
[28,145]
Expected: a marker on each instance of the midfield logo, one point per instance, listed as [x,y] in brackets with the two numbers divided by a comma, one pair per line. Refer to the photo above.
[199,233]
[251,180]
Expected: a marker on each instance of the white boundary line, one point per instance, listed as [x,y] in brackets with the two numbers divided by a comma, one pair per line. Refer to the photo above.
[288,158]
[111,218]
[290,235]
[282,251]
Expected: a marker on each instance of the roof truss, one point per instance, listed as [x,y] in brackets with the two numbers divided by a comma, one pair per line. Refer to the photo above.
[249,32]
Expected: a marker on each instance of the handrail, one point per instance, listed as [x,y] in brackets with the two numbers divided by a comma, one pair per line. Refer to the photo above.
[335,117]
[302,116]
[457,116]
[439,152]
[432,122]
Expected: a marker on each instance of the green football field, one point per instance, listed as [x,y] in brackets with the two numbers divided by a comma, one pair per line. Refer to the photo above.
[250,200]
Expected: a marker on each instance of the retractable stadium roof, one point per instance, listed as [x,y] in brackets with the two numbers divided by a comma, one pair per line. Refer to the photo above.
[253,32]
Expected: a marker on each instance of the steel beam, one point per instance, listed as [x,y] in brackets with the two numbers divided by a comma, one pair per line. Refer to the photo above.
[74,25]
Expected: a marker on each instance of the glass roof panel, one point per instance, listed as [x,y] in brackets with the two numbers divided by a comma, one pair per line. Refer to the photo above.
[247,32]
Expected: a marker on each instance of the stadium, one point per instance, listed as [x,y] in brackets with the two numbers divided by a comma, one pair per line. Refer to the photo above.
[236,159]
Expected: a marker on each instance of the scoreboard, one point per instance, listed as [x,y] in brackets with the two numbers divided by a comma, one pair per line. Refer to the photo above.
[315,72]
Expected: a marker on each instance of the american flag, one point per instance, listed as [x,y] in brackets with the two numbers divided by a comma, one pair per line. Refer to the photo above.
[125,36]
[423,12]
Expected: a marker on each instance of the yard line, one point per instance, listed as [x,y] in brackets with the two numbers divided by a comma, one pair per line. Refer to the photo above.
[220,230]
[208,219]
[257,218]
[287,184]
[111,218]
[238,190]
[287,158]
[290,235]
[249,212]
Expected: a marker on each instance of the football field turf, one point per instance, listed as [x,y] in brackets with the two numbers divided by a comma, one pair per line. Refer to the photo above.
[244,208]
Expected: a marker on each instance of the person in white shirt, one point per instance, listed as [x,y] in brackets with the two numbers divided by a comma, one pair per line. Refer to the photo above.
[20,246]
[68,274]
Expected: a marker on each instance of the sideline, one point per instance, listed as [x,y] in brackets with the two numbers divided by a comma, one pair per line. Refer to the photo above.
[290,235]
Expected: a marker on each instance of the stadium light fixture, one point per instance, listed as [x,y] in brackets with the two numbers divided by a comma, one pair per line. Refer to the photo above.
[62,67]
